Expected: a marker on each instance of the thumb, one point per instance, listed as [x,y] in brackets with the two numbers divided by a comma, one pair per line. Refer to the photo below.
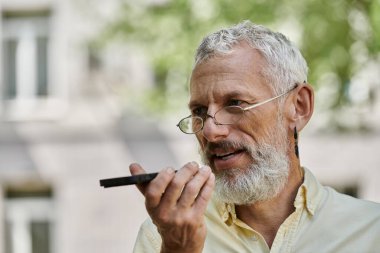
[136,169]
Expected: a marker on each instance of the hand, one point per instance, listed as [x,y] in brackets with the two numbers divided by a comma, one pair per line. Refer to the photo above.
[176,202]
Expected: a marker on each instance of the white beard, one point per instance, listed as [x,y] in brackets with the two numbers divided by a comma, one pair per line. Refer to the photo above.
[262,180]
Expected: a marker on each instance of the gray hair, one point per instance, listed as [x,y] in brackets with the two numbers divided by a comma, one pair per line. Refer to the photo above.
[286,65]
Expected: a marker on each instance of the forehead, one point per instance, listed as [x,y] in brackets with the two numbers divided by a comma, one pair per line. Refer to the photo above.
[238,72]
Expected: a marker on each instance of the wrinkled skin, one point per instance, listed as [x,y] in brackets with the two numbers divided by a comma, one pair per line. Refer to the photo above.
[176,203]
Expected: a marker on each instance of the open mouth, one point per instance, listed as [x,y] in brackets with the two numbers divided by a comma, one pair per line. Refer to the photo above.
[227,156]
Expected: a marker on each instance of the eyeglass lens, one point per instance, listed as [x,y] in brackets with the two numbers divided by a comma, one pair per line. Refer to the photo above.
[226,115]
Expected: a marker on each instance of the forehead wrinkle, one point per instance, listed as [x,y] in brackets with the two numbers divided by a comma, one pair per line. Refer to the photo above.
[228,84]
[242,70]
[219,96]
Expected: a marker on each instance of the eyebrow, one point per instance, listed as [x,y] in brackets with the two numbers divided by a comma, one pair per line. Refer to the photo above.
[232,94]
[193,104]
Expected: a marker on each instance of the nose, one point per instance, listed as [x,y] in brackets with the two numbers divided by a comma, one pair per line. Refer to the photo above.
[213,131]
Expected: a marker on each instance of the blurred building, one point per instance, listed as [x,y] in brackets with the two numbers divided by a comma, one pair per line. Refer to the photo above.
[62,128]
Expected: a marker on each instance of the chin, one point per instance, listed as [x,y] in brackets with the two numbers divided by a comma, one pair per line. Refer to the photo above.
[262,180]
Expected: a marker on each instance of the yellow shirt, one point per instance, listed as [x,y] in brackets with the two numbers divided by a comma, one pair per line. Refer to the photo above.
[323,221]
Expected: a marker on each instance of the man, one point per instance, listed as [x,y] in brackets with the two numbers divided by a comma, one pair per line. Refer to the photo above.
[249,98]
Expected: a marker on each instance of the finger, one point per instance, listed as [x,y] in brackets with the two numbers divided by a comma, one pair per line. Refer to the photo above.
[136,169]
[155,189]
[205,194]
[174,190]
[193,187]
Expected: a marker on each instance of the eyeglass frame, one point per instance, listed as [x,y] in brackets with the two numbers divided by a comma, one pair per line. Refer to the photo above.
[235,106]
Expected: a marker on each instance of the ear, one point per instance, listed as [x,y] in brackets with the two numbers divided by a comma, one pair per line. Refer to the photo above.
[300,106]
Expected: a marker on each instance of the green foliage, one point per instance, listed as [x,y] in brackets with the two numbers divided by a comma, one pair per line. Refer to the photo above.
[170,31]
[374,16]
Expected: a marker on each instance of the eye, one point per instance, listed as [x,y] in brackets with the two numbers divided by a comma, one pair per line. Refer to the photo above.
[199,111]
[235,102]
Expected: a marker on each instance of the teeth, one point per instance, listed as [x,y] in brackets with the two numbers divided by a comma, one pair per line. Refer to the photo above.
[227,156]
[224,155]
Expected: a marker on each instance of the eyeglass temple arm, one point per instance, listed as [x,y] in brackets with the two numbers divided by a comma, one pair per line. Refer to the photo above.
[269,100]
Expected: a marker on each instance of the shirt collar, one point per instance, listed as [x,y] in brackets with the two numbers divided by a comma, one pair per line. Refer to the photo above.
[308,196]
[227,212]
[310,193]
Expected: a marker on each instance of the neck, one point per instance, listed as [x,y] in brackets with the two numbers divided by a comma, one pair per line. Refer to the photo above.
[266,217]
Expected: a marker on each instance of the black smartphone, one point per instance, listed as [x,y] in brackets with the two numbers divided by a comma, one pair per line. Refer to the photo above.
[120,181]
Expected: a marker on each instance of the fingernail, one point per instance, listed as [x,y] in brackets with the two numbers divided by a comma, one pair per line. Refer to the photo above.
[194,164]
[205,168]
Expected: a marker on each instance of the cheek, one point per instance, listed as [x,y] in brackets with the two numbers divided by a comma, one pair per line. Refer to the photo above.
[250,126]
[256,127]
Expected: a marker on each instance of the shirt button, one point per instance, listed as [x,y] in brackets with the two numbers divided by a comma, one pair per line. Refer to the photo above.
[229,208]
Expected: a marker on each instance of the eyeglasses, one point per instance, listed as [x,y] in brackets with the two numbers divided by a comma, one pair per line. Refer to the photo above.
[228,115]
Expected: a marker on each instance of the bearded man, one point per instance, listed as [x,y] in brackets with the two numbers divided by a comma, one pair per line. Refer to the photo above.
[249,98]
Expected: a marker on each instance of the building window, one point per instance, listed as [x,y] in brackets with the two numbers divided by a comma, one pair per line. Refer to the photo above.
[28,221]
[25,55]
[9,71]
